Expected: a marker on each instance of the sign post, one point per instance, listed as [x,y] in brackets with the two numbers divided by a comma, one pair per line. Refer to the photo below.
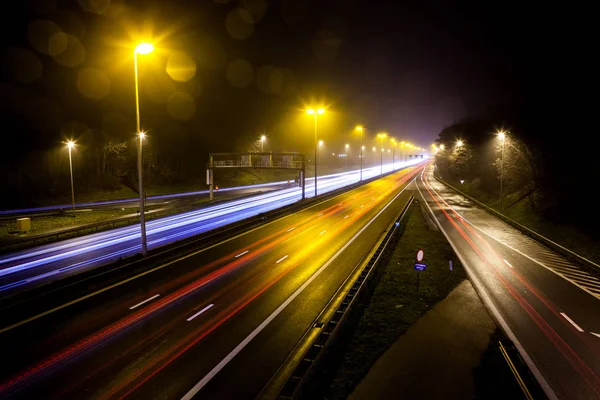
[419,266]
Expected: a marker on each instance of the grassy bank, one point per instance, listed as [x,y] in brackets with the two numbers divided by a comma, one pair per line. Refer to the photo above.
[520,210]
[47,224]
[393,306]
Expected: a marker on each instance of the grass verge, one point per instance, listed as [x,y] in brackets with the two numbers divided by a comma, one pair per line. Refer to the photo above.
[393,306]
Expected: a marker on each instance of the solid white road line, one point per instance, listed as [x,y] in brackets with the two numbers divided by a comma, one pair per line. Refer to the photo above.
[207,378]
[547,266]
[323,231]
[281,259]
[144,302]
[488,301]
[200,312]
[291,229]
[595,334]
[571,321]
[507,263]
[241,254]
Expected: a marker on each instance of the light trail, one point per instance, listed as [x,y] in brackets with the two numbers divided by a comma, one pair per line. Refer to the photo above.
[101,248]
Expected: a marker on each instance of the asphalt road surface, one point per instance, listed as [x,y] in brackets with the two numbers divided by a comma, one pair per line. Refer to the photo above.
[548,306]
[35,266]
[214,324]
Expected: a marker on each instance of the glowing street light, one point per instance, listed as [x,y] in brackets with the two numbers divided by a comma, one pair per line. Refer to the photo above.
[381,136]
[442,147]
[262,142]
[502,137]
[142,48]
[320,143]
[361,130]
[316,112]
[459,143]
[70,146]
[394,143]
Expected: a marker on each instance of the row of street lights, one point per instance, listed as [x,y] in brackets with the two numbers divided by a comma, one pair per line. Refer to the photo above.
[359,128]
[501,135]
[142,48]
[147,48]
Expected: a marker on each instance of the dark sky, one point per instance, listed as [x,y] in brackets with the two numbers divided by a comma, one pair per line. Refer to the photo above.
[407,68]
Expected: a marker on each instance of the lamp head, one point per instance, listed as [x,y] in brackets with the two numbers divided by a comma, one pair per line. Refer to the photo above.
[144,48]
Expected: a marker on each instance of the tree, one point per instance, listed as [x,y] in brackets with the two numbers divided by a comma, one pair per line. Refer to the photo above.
[517,168]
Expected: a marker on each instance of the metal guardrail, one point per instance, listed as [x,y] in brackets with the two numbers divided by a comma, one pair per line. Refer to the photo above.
[309,352]
[525,230]
[50,237]
[54,236]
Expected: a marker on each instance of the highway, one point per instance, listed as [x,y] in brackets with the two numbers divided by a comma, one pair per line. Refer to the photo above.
[35,266]
[134,202]
[213,324]
[547,306]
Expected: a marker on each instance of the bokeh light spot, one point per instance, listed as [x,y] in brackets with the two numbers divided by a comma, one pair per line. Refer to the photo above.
[58,43]
[39,34]
[294,11]
[70,23]
[86,5]
[181,106]
[93,83]
[239,24]
[213,55]
[73,55]
[159,87]
[21,65]
[115,9]
[180,67]
[256,8]
[42,6]
[100,6]
[270,80]
[240,73]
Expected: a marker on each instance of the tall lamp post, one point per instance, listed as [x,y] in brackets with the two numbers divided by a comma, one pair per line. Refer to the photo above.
[361,129]
[381,136]
[502,137]
[262,143]
[142,48]
[70,146]
[346,154]
[316,112]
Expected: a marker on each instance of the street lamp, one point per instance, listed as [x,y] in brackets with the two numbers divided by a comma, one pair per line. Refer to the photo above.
[459,143]
[70,146]
[316,112]
[381,136]
[262,143]
[361,129]
[142,48]
[502,137]
[346,155]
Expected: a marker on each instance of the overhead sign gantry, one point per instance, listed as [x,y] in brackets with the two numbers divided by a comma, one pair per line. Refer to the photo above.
[257,160]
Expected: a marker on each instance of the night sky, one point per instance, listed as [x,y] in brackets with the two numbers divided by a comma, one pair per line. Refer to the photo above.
[242,68]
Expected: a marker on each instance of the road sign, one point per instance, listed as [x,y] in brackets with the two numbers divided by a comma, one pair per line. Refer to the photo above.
[420,255]
[420,267]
